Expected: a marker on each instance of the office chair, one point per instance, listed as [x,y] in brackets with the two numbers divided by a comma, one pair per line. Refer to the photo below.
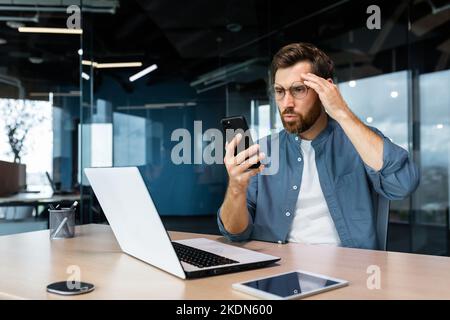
[382,220]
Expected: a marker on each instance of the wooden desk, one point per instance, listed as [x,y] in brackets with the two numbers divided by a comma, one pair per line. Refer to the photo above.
[29,261]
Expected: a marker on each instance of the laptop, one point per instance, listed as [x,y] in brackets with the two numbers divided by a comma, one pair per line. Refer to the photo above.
[137,226]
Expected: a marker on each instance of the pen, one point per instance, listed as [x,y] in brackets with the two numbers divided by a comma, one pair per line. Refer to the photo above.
[59,227]
[52,207]
[74,205]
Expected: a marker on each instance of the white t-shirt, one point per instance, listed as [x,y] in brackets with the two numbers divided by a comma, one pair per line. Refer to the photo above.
[312,222]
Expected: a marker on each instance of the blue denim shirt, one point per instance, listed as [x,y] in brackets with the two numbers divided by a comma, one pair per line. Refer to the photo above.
[346,181]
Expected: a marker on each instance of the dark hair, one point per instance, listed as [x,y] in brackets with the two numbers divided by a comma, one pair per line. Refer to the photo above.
[289,55]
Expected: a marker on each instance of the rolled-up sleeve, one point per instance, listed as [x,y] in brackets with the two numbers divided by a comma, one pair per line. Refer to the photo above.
[252,191]
[399,176]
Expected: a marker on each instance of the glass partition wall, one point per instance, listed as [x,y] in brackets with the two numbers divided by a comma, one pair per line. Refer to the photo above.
[39,110]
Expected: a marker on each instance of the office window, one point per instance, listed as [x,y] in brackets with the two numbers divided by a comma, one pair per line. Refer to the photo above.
[381,102]
[33,122]
[431,206]
[264,118]
[434,133]
[96,139]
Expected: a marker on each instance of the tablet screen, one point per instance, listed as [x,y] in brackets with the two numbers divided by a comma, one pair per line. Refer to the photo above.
[290,284]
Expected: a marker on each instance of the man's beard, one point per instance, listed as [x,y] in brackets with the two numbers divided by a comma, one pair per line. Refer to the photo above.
[302,123]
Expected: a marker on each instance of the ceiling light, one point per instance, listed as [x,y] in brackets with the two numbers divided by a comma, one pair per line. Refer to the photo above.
[88,63]
[352,83]
[85,76]
[394,94]
[369,119]
[143,72]
[36,60]
[15,24]
[440,126]
[51,30]
[80,52]
[118,65]
[111,65]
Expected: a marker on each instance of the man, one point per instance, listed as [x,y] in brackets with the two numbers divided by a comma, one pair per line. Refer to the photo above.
[330,165]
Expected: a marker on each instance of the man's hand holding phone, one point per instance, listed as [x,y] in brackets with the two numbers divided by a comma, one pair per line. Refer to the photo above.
[241,165]
[238,167]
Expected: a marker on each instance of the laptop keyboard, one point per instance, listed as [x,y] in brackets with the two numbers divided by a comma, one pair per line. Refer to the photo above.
[199,258]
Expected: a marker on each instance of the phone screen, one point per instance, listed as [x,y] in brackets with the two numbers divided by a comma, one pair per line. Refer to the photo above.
[290,284]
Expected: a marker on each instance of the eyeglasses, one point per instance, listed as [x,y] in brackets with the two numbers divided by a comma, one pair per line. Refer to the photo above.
[298,90]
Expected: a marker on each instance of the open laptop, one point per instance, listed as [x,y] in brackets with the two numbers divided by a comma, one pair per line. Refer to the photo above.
[138,228]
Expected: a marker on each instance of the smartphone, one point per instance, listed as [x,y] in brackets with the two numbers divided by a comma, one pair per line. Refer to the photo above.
[291,285]
[231,127]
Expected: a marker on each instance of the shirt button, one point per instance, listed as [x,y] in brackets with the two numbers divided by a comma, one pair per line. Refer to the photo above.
[299,159]
[288,214]
[296,138]
[294,187]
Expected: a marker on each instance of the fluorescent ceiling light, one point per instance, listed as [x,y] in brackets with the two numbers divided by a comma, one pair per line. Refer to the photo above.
[111,65]
[35,60]
[88,63]
[143,72]
[118,65]
[15,24]
[85,76]
[51,30]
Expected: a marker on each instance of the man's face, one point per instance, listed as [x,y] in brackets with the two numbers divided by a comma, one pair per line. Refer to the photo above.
[297,115]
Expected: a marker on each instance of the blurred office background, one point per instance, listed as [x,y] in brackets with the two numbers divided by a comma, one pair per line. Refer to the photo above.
[77,108]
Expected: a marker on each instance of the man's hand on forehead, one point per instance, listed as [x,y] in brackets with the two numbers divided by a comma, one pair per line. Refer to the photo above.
[328,93]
